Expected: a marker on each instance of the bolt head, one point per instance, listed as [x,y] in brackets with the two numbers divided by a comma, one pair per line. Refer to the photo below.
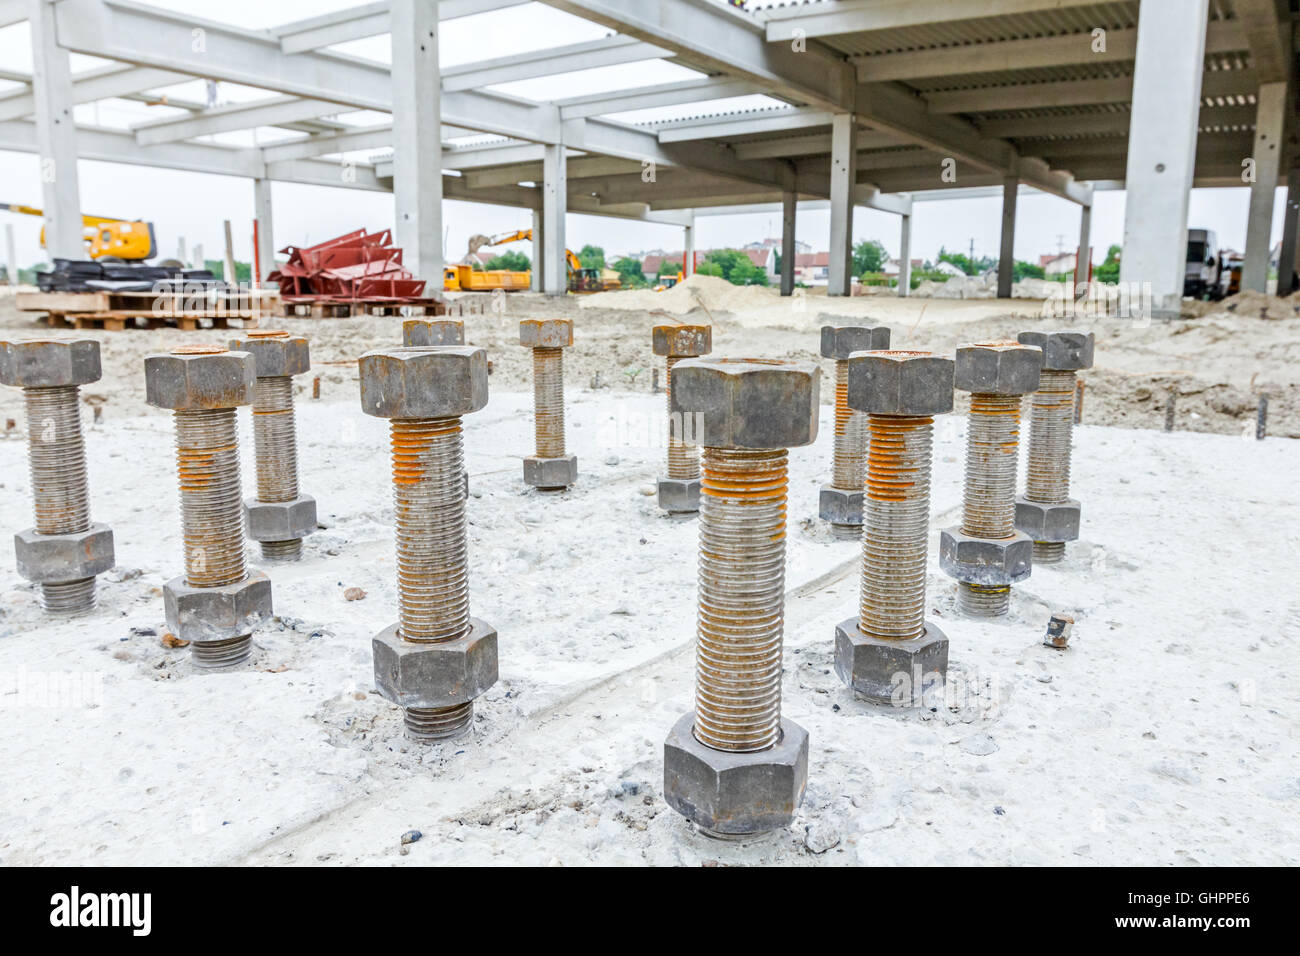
[839,342]
[1048,522]
[49,362]
[682,341]
[745,403]
[991,562]
[435,675]
[55,558]
[999,368]
[194,380]
[900,383]
[1062,351]
[280,520]
[735,793]
[433,332]
[424,381]
[274,354]
[217,614]
[546,333]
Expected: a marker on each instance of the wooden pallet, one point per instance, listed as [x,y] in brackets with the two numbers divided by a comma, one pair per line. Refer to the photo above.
[348,308]
[122,310]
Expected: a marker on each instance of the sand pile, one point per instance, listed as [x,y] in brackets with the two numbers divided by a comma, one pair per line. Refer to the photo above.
[1256,305]
[709,292]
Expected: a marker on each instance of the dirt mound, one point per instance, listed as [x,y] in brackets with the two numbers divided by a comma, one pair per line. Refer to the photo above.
[708,292]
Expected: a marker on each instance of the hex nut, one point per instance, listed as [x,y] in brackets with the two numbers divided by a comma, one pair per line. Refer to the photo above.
[433,332]
[550,472]
[199,380]
[900,673]
[730,793]
[1000,368]
[49,363]
[679,496]
[546,333]
[917,384]
[1048,522]
[839,506]
[682,341]
[992,562]
[275,355]
[220,613]
[839,342]
[424,381]
[280,520]
[412,674]
[54,558]
[1062,351]
[745,403]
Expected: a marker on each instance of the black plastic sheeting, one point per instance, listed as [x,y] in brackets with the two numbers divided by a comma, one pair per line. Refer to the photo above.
[87,275]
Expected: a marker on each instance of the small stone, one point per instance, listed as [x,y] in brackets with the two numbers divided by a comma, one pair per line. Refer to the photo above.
[171,640]
[354,594]
[981,745]
[820,837]
[411,836]
[612,460]
[648,490]
[143,632]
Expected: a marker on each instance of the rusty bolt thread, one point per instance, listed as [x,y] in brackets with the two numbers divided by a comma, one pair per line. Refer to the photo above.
[548,402]
[683,459]
[989,505]
[212,516]
[275,444]
[56,459]
[1047,479]
[895,527]
[850,453]
[741,599]
[432,552]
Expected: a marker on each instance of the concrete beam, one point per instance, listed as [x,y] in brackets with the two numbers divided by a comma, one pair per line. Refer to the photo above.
[648,97]
[417,137]
[866,16]
[1162,147]
[1270,128]
[369,137]
[607,51]
[843,175]
[777,121]
[1106,124]
[56,136]
[1030,96]
[371,19]
[109,81]
[273,111]
[1223,36]
[1270,44]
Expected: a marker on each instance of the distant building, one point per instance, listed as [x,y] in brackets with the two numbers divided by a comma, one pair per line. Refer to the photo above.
[1059,263]
[764,258]
[891,267]
[812,268]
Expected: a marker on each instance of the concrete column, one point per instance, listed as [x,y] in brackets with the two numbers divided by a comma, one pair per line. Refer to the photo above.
[555,190]
[198,262]
[180,249]
[1083,259]
[262,212]
[11,259]
[688,250]
[1286,260]
[56,136]
[536,284]
[417,139]
[843,174]
[1007,248]
[1270,127]
[789,204]
[228,273]
[1162,147]
[905,257]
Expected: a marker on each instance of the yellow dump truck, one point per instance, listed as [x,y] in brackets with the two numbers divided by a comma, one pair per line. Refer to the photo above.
[463,278]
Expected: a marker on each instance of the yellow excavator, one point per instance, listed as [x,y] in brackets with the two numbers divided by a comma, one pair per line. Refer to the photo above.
[107,238]
[467,276]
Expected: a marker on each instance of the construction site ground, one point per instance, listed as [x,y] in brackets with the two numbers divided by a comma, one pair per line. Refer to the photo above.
[1166,734]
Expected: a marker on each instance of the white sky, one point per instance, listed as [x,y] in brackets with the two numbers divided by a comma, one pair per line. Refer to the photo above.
[194,205]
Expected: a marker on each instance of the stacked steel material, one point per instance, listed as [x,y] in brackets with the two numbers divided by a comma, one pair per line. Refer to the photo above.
[357,265]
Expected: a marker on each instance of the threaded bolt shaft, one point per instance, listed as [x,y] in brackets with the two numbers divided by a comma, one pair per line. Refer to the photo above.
[432,552]
[1051,420]
[896,519]
[56,459]
[850,451]
[275,444]
[683,459]
[548,401]
[212,515]
[741,599]
[989,494]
